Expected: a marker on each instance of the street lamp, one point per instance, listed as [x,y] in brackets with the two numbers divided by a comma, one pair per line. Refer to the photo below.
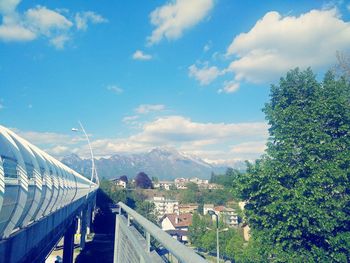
[93,167]
[212,213]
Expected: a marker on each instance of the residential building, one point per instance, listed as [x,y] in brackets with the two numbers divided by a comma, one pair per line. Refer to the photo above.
[188,208]
[164,185]
[196,180]
[181,183]
[226,214]
[165,206]
[119,183]
[177,225]
[207,207]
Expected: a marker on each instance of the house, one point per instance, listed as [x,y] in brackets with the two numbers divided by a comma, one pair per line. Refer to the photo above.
[164,185]
[119,183]
[207,207]
[198,181]
[180,183]
[188,208]
[165,206]
[177,225]
[226,214]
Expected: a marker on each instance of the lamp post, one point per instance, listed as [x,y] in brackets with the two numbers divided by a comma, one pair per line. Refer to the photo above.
[93,167]
[212,213]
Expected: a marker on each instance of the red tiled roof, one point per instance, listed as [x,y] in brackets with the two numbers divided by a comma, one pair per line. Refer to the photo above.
[219,208]
[183,219]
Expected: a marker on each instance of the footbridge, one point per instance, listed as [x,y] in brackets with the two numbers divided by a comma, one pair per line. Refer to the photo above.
[41,200]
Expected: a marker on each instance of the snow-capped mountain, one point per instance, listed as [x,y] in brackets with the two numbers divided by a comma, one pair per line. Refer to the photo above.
[164,163]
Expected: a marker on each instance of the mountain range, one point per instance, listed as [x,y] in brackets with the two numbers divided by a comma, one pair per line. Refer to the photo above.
[164,163]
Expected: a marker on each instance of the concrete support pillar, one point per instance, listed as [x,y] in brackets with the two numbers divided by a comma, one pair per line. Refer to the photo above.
[68,245]
[83,225]
[88,221]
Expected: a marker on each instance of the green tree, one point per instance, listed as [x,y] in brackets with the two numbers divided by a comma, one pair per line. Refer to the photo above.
[298,193]
[142,181]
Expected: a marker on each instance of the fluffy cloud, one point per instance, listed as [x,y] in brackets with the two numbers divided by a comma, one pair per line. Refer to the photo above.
[174,17]
[128,119]
[252,147]
[147,108]
[8,6]
[12,32]
[45,21]
[83,18]
[139,55]
[180,129]
[45,138]
[115,89]
[204,75]
[229,87]
[276,44]
[212,141]
[207,46]
[40,22]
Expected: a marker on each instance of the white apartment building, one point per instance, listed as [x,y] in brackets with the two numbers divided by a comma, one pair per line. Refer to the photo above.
[165,206]
[164,185]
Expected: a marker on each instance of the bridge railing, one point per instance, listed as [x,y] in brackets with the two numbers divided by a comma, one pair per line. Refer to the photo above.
[182,253]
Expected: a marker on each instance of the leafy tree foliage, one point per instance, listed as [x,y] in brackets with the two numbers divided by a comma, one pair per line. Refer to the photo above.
[225,179]
[204,196]
[155,179]
[203,235]
[133,199]
[299,192]
[142,181]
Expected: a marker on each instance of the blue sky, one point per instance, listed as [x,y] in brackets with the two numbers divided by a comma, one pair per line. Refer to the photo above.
[192,75]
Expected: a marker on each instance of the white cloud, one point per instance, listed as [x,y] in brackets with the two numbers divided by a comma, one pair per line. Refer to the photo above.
[60,150]
[180,129]
[12,32]
[59,41]
[44,138]
[212,141]
[128,119]
[8,6]
[176,16]
[40,21]
[207,46]
[139,55]
[204,75]
[276,44]
[147,108]
[45,21]
[249,147]
[207,140]
[115,89]
[229,87]
[83,18]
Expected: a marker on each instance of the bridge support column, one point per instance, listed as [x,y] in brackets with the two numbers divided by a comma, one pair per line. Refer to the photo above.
[83,225]
[68,245]
[88,220]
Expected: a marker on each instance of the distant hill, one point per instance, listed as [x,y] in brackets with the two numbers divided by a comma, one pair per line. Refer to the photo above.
[164,163]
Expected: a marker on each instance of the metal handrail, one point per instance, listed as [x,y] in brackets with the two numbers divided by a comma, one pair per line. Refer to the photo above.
[181,252]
